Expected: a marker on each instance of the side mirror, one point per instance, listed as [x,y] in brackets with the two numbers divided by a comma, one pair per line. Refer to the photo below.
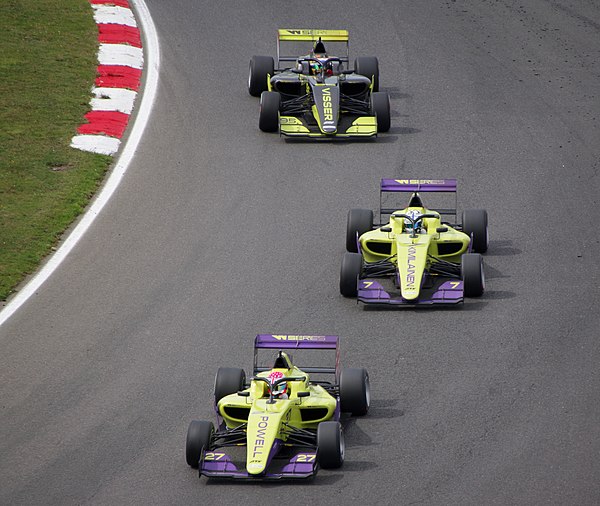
[439,230]
[386,229]
[244,394]
[303,394]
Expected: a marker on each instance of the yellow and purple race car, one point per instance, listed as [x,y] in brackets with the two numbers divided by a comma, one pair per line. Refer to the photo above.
[283,423]
[415,257]
[315,95]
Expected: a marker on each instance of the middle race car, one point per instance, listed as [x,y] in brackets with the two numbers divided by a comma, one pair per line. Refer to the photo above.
[414,258]
[287,420]
[316,96]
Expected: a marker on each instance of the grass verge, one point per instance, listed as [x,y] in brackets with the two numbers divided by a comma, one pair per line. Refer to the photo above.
[47,68]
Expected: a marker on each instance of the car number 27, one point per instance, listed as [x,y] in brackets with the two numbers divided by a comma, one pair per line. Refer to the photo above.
[305,457]
[213,456]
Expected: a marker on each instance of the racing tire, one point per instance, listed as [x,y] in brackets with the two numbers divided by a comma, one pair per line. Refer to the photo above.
[472,274]
[361,221]
[260,66]
[368,66]
[355,391]
[228,380]
[475,223]
[330,445]
[380,105]
[350,273]
[268,120]
[199,438]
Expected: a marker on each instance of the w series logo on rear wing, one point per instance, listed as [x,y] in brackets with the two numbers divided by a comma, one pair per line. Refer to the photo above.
[418,185]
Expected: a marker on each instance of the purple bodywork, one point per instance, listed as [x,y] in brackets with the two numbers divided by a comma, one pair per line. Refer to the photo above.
[416,185]
[300,466]
[449,292]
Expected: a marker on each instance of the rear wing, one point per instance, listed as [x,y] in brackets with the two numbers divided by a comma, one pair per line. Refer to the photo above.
[307,35]
[416,185]
[291,342]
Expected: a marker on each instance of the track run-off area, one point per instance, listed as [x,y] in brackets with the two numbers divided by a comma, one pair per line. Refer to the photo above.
[218,232]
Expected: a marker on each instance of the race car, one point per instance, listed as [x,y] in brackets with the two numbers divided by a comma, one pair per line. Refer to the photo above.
[316,96]
[414,258]
[283,423]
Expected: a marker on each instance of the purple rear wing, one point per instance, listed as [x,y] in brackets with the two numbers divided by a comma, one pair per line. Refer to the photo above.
[389,204]
[284,341]
[418,185]
[294,342]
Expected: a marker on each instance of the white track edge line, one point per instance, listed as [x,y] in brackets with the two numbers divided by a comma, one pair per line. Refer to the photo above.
[143,114]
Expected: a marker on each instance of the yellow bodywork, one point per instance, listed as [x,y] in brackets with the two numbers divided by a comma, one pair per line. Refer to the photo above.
[413,255]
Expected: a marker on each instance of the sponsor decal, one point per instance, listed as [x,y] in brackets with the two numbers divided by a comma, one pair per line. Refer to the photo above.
[410,268]
[419,181]
[259,442]
[327,107]
[299,338]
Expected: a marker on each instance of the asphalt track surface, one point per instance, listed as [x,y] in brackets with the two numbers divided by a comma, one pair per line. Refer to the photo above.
[219,232]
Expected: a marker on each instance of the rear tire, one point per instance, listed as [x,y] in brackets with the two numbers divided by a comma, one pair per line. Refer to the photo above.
[361,221]
[475,223]
[355,391]
[268,120]
[380,104]
[368,66]
[260,66]
[330,445]
[350,273]
[199,437]
[228,380]
[472,274]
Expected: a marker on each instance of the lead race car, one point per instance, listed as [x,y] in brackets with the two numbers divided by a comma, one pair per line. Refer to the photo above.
[316,96]
[414,258]
[287,422]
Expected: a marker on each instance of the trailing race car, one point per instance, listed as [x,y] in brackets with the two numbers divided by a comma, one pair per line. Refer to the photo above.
[415,257]
[288,423]
[317,96]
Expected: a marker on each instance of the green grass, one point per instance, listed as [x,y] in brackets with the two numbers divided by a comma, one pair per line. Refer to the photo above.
[47,68]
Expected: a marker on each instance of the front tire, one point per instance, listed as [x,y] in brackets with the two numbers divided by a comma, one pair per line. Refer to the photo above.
[380,104]
[355,391]
[475,224]
[368,66]
[350,273]
[472,274]
[330,445]
[199,438]
[268,120]
[260,66]
[361,221]
[228,380]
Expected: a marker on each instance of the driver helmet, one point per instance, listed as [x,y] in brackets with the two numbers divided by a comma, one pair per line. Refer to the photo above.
[281,388]
[409,225]
[315,67]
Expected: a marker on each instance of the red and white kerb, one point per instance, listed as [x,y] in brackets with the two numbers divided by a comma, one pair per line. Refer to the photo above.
[120,63]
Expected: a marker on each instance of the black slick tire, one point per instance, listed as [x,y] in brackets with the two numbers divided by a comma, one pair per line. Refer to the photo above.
[268,120]
[380,104]
[330,445]
[355,391]
[228,380]
[361,221]
[350,273]
[472,274]
[475,224]
[199,437]
[368,66]
[260,66]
